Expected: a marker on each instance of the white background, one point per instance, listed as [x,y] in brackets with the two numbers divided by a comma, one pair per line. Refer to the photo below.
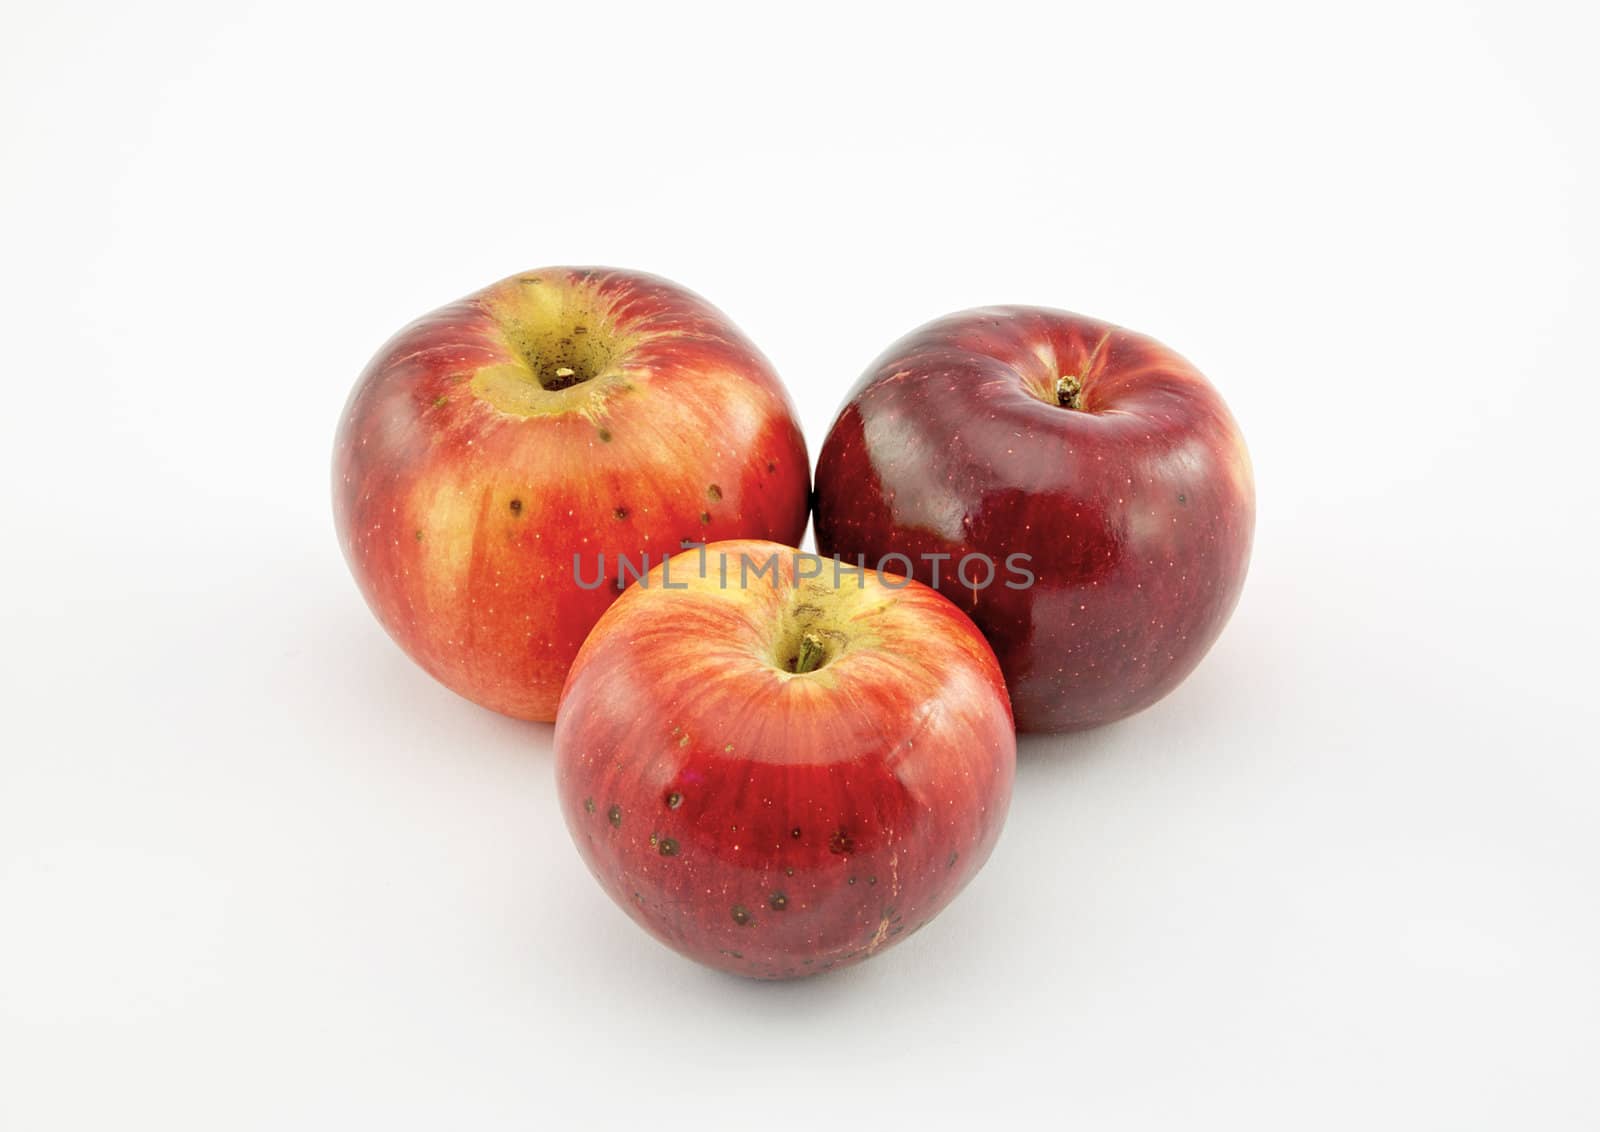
[258,871]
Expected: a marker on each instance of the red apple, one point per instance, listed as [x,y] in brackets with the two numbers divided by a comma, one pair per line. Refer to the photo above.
[1100,459]
[777,770]
[562,412]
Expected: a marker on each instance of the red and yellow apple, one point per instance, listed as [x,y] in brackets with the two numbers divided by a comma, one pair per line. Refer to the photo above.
[778,769]
[1093,477]
[567,411]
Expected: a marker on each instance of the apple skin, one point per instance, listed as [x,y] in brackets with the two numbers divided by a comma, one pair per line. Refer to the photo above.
[463,483]
[774,823]
[1136,506]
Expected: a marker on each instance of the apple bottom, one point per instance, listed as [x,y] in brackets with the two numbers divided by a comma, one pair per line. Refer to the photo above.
[782,899]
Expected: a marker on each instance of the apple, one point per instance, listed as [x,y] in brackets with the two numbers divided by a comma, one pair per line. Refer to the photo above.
[1093,471]
[564,412]
[779,770]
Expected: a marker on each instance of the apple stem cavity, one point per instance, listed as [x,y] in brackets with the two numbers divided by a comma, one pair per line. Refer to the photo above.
[1069,392]
[813,651]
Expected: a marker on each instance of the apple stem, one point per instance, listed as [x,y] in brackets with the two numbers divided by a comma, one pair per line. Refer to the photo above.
[1069,392]
[812,651]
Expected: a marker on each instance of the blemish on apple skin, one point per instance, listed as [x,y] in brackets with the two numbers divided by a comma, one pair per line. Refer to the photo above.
[777,901]
[605,436]
[705,516]
[789,872]
[674,800]
[840,843]
[614,816]
[795,833]
[668,847]
[516,506]
[620,513]
[440,400]
[1182,498]
[741,915]
[715,493]
[588,805]
[951,863]
[771,467]
[419,536]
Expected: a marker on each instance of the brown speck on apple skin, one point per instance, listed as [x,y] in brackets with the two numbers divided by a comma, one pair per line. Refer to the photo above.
[614,816]
[715,493]
[516,506]
[741,915]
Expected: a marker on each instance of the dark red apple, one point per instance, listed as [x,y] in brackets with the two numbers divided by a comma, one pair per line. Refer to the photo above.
[777,770]
[562,412]
[1047,444]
